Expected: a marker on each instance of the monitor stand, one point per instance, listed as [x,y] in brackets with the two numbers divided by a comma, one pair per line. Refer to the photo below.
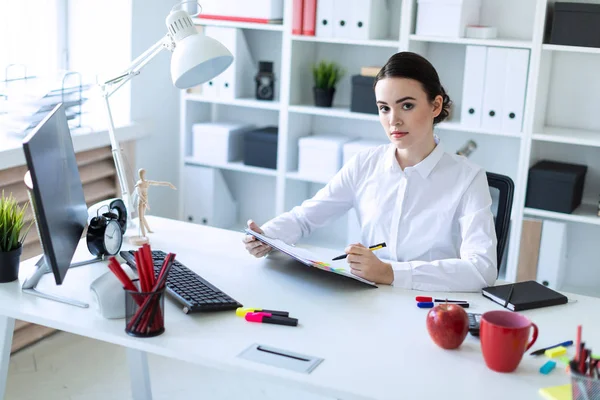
[29,286]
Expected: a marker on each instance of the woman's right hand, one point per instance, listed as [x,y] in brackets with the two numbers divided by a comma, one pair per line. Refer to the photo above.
[254,246]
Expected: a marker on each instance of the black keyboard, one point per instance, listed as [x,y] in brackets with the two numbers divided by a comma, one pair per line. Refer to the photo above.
[187,287]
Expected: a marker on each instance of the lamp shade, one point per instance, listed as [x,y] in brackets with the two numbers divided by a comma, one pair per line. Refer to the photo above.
[197,59]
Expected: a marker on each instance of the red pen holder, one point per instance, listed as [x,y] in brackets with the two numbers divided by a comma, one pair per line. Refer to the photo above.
[584,387]
[144,313]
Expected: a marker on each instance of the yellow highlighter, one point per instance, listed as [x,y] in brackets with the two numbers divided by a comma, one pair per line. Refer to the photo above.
[555,352]
[242,311]
[372,248]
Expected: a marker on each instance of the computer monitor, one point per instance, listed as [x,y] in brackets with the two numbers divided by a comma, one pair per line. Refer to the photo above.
[56,196]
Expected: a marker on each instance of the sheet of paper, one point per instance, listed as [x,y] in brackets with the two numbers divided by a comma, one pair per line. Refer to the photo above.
[307,257]
[293,251]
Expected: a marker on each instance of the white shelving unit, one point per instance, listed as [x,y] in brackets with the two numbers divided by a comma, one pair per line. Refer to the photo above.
[560,120]
[524,44]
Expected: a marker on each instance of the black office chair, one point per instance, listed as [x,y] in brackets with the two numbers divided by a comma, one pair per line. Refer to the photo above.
[506,188]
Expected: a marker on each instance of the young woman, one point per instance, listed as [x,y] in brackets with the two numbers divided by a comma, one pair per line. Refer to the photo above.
[432,208]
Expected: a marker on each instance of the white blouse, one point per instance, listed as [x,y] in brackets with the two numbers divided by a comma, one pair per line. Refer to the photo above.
[435,217]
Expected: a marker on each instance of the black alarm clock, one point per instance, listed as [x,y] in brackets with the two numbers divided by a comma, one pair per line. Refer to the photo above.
[115,206]
[104,235]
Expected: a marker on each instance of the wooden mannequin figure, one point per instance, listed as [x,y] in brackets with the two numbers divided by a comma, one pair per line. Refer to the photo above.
[141,193]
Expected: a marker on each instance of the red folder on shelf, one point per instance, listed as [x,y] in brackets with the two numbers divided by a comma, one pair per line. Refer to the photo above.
[298,11]
[309,18]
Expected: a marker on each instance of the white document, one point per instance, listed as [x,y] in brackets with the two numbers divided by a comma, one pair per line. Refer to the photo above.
[517,63]
[473,86]
[493,95]
[306,257]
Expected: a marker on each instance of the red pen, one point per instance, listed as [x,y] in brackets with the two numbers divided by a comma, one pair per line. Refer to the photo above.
[582,358]
[426,299]
[268,318]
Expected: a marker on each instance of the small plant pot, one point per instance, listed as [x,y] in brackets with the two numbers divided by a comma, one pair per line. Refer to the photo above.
[323,97]
[9,265]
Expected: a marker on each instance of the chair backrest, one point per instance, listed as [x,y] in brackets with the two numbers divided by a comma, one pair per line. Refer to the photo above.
[505,189]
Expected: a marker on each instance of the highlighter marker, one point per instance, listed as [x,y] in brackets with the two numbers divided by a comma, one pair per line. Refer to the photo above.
[267,318]
[429,304]
[241,311]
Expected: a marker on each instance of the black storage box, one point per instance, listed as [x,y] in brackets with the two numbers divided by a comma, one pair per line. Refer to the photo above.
[555,186]
[576,24]
[260,147]
[363,95]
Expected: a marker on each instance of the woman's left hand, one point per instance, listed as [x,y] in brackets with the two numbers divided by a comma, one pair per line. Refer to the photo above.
[364,263]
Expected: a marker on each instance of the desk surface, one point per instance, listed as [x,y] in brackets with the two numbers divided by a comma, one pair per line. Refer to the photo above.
[373,340]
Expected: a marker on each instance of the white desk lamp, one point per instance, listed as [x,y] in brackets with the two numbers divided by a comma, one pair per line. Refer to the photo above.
[196,58]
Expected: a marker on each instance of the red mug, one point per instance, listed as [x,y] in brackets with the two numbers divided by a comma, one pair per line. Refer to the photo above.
[503,336]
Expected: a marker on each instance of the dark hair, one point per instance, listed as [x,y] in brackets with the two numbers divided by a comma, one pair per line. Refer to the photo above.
[413,66]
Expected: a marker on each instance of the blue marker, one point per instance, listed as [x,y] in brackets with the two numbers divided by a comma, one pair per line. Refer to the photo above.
[430,304]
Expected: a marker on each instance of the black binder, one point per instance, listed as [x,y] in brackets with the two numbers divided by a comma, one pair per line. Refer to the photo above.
[525,295]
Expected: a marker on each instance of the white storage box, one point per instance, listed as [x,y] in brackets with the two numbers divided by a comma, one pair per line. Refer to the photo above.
[320,156]
[446,17]
[351,148]
[218,142]
[258,11]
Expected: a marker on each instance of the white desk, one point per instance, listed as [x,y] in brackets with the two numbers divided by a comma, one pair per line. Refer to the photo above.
[373,340]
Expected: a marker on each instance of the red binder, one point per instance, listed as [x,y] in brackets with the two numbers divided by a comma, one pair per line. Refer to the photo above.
[310,17]
[298,11]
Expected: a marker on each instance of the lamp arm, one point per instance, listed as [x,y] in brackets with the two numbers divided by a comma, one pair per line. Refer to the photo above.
[107,91]
[136,65]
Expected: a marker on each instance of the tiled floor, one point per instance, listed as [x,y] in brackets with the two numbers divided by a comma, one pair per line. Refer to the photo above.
[70,367]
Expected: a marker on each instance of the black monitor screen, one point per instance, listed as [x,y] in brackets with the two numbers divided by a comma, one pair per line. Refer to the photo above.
[57,193]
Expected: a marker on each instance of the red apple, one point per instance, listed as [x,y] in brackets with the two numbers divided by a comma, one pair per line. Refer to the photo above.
[448,325]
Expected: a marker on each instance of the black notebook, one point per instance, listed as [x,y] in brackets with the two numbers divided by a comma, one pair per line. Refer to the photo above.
[525,296]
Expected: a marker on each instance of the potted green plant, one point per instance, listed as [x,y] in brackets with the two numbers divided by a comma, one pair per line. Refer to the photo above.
[12,235]
[326,76]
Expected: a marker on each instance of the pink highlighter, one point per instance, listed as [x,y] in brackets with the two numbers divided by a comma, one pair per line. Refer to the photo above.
[268,318]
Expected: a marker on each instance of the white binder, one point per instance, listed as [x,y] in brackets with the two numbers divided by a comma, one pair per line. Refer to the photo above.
[207,199]
[493,94]
[237,80]
[342,18]
[473,86]
[325,18]
[210,89]
[552,258]
[368,19]
[517,64]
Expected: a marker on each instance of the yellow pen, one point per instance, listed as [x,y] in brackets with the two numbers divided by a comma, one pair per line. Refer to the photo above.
[374,247]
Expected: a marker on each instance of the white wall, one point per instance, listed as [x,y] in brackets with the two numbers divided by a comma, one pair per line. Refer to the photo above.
[155,105]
